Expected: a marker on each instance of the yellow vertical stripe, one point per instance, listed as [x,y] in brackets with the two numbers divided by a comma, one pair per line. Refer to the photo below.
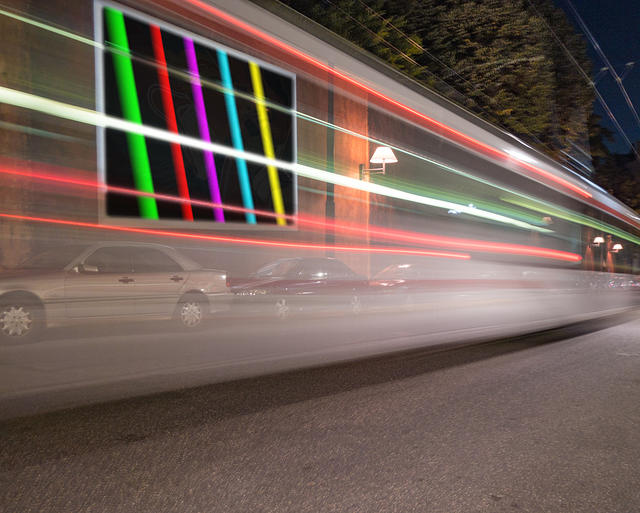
[267,142]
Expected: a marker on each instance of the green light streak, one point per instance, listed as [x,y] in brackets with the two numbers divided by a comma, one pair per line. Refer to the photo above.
[461,198]
[131,111]
[567,215]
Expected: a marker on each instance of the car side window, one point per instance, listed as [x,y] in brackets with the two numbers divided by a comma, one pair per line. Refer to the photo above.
[313,271]
[338,271]
[110,260]
[150,260]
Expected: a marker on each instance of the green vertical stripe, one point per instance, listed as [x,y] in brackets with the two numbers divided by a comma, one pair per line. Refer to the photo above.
[131,110]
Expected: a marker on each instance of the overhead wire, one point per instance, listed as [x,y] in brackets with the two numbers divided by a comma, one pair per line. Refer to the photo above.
[612,70]
[591,83]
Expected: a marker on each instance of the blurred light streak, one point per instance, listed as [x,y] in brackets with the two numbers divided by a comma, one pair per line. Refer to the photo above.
[567,215]
[203,126]
[236,133]
[131,110]
[267,141]
[170,117]
[82,115]
[272,105]
[431,123]
[396,236]
[390,192]
[487,149]
[445,167]
[210,84]
[239,240]
[51,28]
[464,200]
[44,133]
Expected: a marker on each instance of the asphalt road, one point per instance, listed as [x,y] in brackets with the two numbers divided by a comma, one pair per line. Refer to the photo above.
[549,423]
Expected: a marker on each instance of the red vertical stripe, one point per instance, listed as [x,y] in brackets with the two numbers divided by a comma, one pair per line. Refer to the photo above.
[172,125]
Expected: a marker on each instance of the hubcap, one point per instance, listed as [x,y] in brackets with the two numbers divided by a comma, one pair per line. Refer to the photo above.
[191,314]
[15,322]
[282,309]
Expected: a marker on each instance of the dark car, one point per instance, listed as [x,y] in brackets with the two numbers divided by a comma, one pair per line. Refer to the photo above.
[294,285]
[109,280]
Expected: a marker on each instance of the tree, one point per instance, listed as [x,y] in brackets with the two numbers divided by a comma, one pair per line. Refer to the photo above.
[498,58]
[368,26]
[619,175]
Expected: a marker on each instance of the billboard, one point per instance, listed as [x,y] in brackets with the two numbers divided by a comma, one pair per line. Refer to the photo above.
[155,75]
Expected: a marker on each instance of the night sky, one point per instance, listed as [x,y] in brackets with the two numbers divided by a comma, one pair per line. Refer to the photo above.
[615,24]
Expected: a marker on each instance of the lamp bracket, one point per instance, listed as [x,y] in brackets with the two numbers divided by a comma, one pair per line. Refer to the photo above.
[371,171]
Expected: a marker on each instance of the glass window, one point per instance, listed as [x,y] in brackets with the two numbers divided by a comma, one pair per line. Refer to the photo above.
[149,260]
[321,269]
[278,269]
[225,116]
[337,270]
[110,260]
[54,258]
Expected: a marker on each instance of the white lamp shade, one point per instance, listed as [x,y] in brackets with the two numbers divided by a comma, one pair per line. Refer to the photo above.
[598,240]
[383,155]
[617,247]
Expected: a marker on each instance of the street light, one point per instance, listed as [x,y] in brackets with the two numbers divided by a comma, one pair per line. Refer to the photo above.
[383,155]
[616,247]
[597,241]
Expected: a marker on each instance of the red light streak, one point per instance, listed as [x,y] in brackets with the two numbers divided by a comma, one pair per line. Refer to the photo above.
[391,235]
[172,124]
[240,240]
[430,121]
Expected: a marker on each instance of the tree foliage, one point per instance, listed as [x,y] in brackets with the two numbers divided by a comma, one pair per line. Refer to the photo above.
[618,174]
[498,58]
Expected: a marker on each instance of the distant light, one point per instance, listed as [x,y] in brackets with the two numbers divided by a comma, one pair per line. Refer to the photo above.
[616,247]
[520,155]
[383,155]
[598,240]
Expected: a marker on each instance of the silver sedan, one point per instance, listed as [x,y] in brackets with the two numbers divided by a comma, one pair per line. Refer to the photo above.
[108,280]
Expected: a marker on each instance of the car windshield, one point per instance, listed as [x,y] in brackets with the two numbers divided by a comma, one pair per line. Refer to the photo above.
[278,269]
[54,258]
[397,271]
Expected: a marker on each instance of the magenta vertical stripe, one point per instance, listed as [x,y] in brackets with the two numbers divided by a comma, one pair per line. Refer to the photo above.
[203,126]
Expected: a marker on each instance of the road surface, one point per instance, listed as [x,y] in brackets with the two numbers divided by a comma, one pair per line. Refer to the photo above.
[548,423]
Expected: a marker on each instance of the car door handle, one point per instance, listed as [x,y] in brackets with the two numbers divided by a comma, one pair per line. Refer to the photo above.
[176,278]
[126,279]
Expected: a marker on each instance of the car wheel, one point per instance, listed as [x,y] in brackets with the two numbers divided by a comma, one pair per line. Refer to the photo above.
[283,310]
[192,312]
[356,304]
[20,321]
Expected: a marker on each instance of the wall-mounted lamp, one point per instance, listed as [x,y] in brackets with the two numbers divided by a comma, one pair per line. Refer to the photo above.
[616,247]
[383,155]
[598,240]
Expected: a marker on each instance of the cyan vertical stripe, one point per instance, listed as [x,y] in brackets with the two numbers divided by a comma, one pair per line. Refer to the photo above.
[236,135]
